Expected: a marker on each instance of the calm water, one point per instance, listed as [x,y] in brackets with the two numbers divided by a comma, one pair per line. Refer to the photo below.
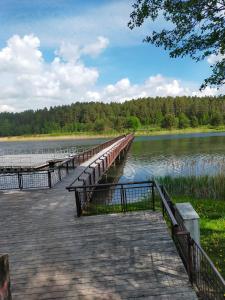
[193,154]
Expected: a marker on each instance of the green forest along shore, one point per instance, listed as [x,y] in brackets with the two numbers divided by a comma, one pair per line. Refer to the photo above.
[146,116]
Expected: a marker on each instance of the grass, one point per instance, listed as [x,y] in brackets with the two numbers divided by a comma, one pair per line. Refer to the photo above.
[145,131]
[207,196]
[212,227]
[96,209]
[197,187]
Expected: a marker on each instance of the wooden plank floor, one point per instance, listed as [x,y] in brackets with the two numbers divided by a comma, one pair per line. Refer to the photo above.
[54,255]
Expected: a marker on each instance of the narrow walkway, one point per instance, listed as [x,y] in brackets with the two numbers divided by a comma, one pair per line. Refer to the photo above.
[93,160]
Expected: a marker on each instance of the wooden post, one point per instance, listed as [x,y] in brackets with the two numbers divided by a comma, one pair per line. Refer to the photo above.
[5,292]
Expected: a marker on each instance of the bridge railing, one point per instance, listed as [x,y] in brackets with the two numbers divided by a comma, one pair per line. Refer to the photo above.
[101,164]
[149,195]
[110,198]
[206,279]
[48,174]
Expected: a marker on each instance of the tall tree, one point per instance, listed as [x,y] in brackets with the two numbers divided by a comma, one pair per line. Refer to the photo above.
[192,27]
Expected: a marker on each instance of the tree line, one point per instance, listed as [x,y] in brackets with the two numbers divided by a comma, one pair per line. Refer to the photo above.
[167,112]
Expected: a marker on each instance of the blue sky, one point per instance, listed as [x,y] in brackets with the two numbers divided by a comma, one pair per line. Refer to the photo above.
[106,61]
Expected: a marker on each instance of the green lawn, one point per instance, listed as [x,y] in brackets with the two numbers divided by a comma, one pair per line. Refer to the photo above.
[212,227]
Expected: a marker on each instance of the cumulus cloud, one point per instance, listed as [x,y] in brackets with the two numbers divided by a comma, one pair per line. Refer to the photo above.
[214,58]
[27,81]
[157,85]
[94,49]
[73,52]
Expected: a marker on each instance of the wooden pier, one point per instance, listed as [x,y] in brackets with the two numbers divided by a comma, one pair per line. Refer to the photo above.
[56,256]
[89,166]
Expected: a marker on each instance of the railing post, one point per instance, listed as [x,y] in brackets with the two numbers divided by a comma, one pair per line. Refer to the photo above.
[153,197]
[122,198]
[49,179]
[189,264]
[59,172]
[78,204]
[99,170]
[20,181]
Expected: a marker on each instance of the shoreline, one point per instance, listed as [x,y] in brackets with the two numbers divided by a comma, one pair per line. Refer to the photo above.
[76,136]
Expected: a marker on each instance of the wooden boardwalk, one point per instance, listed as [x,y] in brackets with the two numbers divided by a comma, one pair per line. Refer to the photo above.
[56,256]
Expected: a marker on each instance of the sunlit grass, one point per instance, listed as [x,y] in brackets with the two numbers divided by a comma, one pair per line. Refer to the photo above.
[96,209]
[212,227]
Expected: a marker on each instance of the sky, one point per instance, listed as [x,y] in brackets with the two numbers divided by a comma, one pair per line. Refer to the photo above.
[56,52]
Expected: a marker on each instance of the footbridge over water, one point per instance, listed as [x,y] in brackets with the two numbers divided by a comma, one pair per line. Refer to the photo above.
[87,167]
[53,255]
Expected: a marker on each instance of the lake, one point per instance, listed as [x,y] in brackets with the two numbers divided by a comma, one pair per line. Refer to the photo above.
[189,154]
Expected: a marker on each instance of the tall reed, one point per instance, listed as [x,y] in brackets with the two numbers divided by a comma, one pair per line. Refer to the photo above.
[198,187]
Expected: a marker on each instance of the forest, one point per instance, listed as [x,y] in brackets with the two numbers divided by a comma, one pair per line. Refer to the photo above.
[167,112]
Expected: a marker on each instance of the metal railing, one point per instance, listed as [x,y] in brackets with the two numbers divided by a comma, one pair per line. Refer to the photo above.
[123,197]
[206,279]
[109,198]
[94,171]
[48,174]
[5,293]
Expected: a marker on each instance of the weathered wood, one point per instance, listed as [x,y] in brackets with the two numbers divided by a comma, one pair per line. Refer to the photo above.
[5,292]
[56,256]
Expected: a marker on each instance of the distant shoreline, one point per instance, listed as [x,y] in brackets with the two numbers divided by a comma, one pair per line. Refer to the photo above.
[91,135]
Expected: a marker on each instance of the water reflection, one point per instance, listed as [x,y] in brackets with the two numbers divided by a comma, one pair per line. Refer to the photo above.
[175,156]
[193,154]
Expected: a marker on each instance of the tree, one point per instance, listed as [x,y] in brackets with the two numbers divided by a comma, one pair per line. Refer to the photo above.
[133,123]
[99,125]
[195,28]
[169,121]
[217,119]
[194,121]
[184,122]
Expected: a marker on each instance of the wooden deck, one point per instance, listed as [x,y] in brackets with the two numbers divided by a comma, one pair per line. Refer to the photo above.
[56,256]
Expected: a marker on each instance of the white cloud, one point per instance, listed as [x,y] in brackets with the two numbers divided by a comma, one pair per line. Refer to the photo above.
[27,81]
[213,58]
[96,48]
[73,52]
[154,86]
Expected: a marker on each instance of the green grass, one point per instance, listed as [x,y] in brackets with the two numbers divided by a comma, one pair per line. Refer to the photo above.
[207,196]
[96,209]
[197,187]
[212,227]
